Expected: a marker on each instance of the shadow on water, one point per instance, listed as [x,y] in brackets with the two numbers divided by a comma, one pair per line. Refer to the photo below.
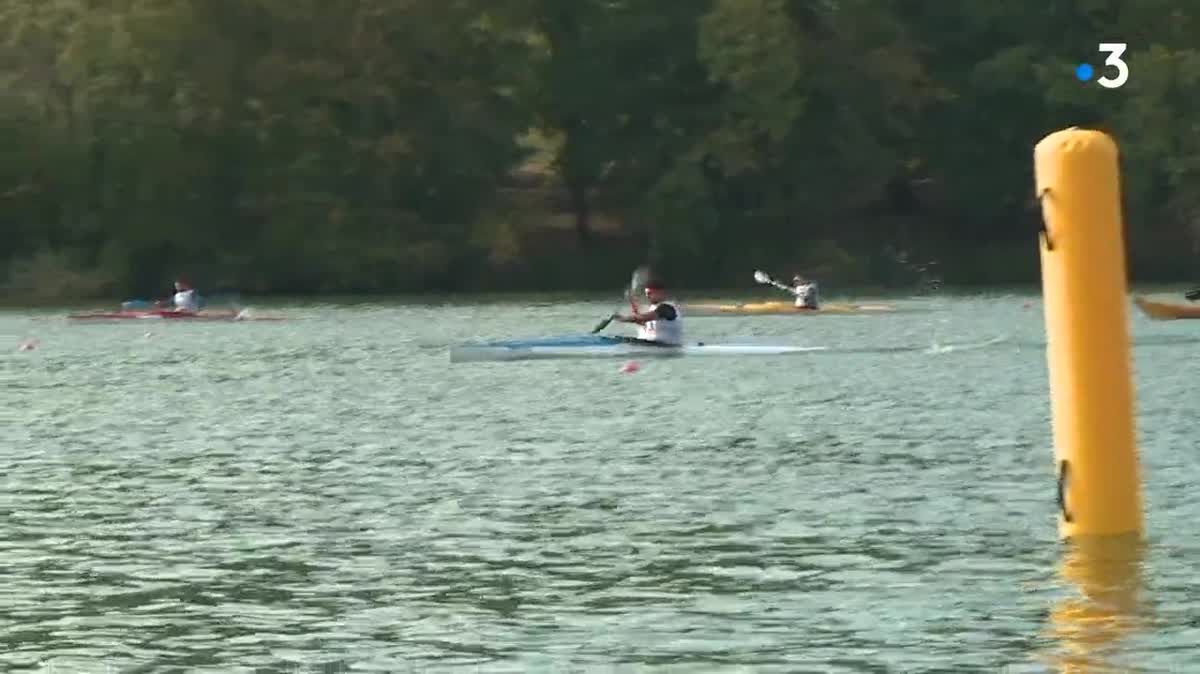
[932,347]
[926,348]
[1137,342]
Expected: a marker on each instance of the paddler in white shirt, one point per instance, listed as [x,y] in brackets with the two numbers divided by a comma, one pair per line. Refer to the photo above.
[661,323]
[807,296]
[185,298]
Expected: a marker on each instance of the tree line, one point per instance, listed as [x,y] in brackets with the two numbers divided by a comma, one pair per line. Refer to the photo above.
[305,146]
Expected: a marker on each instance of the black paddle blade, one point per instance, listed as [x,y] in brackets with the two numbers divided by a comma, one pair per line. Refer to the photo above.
[1193,294]
[603,324]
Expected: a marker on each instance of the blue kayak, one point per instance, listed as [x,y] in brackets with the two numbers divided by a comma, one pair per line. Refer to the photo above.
[603,346]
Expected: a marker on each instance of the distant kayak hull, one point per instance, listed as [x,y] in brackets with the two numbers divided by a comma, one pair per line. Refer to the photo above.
[1163,311]
[782,309]
[167,315]
[592,347]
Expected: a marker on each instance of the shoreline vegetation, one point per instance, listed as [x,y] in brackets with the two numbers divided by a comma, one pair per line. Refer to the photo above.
[1171,292]
[325,149]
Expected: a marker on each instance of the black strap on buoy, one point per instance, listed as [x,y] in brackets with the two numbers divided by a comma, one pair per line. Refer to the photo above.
[1063,469]
[1042,219]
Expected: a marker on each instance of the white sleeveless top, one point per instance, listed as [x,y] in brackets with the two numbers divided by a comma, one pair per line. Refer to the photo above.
[185,300]
[660,330]
[806,295]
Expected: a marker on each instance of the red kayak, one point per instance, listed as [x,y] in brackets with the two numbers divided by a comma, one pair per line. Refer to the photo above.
[168,314]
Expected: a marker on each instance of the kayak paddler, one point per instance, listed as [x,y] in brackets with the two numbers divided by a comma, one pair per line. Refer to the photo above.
[661,322]
[807,295]
[185,298]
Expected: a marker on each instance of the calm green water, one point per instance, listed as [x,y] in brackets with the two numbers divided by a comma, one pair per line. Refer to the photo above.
[329,494]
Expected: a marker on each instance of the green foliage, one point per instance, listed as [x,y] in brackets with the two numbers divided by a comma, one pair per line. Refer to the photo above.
[382,145]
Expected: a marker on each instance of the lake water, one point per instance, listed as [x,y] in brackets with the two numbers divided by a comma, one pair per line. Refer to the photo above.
[330,494]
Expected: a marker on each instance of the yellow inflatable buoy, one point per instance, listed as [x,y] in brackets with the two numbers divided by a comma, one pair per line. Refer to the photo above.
[1088,351]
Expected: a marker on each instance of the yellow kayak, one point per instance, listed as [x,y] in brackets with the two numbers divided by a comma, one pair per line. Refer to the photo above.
[1162,311]
[781,309]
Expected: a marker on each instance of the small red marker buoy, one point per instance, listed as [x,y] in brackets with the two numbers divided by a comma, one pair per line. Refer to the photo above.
[630,367]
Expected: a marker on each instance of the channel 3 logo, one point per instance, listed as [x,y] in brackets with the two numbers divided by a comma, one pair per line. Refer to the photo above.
[1114,50]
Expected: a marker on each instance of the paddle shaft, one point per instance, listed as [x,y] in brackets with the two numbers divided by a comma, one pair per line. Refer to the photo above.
[770,281]
[231,298]
[603,324]
[629,294]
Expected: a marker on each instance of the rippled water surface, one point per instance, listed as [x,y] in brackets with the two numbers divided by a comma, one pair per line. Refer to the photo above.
[330,494]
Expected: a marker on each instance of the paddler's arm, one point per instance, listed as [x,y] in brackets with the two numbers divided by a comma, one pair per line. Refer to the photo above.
[641,317]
